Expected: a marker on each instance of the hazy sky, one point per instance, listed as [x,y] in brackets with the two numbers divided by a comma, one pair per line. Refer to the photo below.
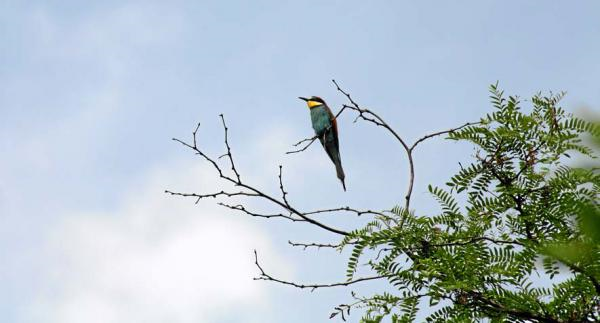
[92,92]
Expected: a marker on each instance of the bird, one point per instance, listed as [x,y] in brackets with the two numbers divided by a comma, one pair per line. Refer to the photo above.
[325,126]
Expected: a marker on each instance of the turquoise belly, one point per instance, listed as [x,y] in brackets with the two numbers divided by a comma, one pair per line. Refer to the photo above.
[320,119]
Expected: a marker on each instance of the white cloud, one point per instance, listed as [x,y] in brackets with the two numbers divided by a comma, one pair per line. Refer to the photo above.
[155,259]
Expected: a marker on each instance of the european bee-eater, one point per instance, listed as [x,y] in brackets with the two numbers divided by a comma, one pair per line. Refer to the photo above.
[323,121]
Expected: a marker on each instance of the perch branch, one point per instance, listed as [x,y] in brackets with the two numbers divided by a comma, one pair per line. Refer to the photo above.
[311,139]
[374,118]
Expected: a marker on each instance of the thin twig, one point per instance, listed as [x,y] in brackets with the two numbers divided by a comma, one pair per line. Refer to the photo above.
[283,192]
[241,208]
[313,138]
[431,135]
[346,209]
[253,191]
[374,118]
[377,120]
[265,276]
[312,244]
[213,195]
[310,140]
[237,175]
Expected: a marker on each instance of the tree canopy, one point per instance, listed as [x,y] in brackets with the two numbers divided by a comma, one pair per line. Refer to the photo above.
[517,237]
[480,258]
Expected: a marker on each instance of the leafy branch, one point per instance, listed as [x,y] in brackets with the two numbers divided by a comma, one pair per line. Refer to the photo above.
[517,202]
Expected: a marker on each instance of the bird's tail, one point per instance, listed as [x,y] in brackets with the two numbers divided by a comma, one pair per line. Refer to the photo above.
[340,171]
[334,154]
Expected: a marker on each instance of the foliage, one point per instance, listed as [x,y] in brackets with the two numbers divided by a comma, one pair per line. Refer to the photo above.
[517,236]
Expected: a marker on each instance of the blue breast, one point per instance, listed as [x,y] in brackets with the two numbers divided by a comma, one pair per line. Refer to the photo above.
[320,119]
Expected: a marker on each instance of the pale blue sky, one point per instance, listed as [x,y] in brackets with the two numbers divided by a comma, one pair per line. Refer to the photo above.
[92,92]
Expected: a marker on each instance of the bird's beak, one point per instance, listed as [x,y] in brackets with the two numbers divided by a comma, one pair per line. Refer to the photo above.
[301,98]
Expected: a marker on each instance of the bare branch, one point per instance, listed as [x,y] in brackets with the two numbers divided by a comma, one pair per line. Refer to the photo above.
[213,195]
[252,191]
[310,140]
[237,175]
[315,245]
[374,118]
[283,192]
[294,211]
[194,134]
[241,208]
[265,276]
[431,135]
[194,147]
[347,209]
[364,114]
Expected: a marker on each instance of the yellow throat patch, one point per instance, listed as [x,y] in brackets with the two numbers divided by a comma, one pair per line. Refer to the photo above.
[312,104]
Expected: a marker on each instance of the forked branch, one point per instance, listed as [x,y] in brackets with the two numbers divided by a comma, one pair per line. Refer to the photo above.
[250,190]
[370,116]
